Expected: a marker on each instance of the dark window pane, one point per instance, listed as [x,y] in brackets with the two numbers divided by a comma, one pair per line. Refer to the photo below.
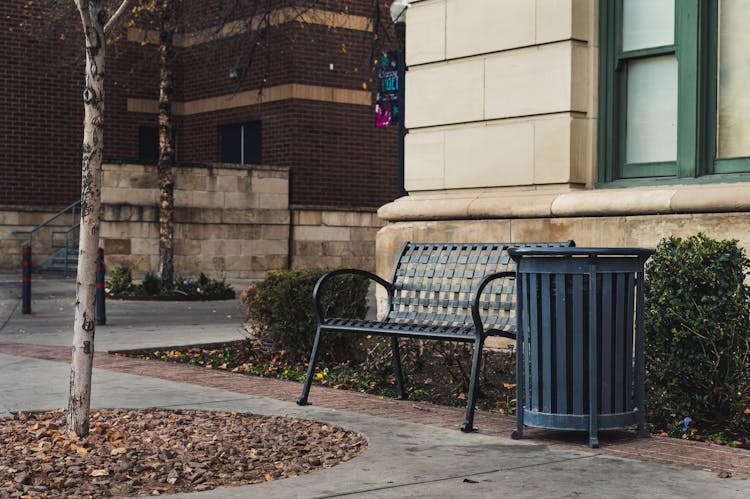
[148,144]
[230,137]
[253,143]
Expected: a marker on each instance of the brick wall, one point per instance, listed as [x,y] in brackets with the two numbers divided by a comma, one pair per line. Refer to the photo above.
[41,113]
[337,155]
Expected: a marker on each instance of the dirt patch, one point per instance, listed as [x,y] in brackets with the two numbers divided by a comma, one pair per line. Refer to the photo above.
[151,452]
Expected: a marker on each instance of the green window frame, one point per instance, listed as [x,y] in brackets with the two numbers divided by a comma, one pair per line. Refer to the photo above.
[696,50]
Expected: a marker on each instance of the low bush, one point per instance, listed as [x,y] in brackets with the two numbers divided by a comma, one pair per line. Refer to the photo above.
[281,309]
[120,285]
[151,284]
[697,320]
[203,286]
[120,281]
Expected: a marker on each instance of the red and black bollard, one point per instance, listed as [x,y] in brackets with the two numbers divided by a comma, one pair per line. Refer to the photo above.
[26,280]
[101,308]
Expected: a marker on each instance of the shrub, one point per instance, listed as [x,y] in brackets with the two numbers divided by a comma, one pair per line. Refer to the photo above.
[120,281]
[697,322]
[121,284]
[151,284]
[281,308]
[203,286]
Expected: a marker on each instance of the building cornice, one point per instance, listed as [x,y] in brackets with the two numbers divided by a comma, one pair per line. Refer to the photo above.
[255,97]
[507,204]
[321,17]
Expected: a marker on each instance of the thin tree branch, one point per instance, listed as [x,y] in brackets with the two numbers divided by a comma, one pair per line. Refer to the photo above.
[116,15]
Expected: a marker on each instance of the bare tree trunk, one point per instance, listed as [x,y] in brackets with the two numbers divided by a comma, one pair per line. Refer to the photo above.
[79,402]
[166,146]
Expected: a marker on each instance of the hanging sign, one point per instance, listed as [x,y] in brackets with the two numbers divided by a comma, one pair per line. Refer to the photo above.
[387,108]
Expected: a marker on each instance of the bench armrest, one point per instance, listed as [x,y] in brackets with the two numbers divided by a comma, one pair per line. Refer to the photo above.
[478,295]
[325,277]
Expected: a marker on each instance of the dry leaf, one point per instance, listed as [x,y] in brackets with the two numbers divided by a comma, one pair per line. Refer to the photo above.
[725,474]
[99,473]
[117,451]
[268,477]
[82,451]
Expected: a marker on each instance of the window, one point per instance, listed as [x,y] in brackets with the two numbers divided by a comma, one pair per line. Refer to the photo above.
[673,98]
[148,145]
[241,143]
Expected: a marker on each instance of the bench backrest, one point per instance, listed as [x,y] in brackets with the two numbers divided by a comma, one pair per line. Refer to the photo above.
[434,283]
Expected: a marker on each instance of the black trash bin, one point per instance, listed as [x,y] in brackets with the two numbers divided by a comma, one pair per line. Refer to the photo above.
[579,363]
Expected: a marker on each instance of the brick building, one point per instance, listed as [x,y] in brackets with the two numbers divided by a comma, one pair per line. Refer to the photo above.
[300,101]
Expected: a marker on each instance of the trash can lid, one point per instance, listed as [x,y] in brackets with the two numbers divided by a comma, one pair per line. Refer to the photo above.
[583,252]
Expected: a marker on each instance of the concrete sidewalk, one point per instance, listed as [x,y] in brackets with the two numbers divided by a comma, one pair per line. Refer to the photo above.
[415,449]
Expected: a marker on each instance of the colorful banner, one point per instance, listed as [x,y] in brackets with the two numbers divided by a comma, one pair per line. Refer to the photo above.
[387,108]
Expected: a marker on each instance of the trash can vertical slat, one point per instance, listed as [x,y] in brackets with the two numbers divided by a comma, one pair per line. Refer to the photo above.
[606,347]
[619,341]
[561,348]
[546,388]
[534,344]
[523,340]
[522,314]
[593,409]
[629,314]
[578,346]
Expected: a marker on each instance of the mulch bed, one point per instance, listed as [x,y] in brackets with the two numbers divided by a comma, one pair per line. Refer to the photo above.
[152,452]
[173,297]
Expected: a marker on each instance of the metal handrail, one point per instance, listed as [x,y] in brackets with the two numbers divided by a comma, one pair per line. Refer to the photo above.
[67,243]
[72,208]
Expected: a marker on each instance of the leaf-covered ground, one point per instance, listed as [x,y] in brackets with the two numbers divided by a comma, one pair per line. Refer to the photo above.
[151,452]
[434,371]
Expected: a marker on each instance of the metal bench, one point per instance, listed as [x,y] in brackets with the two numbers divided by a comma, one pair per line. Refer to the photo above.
[446,291]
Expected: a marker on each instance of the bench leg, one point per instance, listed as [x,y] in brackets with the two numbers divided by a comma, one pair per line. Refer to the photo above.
[302,399]
[397,368]
[468,425]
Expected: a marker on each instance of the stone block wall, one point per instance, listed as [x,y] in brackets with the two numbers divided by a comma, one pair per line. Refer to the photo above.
[229,220]
[500,94]
[334,238]
[232,221]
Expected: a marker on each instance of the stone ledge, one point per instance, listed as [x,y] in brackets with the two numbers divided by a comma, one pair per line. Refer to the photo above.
[503,204]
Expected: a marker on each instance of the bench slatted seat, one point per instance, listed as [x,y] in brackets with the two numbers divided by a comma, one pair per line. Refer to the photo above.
[438,291]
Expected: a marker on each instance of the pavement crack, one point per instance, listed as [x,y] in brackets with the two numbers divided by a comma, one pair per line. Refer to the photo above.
[10,315]
[455,477]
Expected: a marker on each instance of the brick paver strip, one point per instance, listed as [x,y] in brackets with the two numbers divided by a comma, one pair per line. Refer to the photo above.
[686,454]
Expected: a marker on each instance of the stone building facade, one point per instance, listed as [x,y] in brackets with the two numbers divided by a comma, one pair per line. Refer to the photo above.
[533,121]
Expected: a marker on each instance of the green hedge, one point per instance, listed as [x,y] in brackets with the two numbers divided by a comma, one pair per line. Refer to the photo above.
[697,322]
[281,308]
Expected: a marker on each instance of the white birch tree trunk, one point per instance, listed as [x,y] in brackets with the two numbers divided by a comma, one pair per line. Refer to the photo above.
[93,17]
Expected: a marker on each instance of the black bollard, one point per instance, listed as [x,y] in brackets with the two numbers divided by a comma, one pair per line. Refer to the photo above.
[101,308]
[26,280]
